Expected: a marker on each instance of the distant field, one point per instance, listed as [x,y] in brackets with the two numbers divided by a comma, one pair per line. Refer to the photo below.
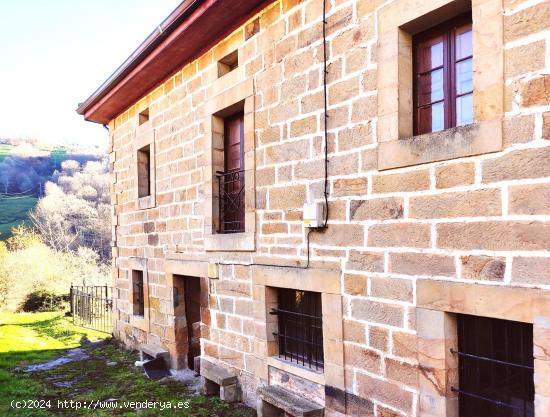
[13,212]
[4,149]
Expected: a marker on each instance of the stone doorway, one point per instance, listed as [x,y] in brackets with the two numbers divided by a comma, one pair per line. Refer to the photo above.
[189,298]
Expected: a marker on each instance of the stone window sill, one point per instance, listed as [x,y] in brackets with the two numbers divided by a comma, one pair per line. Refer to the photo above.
[312,375]
[458,142]
[230,242]
[146,202]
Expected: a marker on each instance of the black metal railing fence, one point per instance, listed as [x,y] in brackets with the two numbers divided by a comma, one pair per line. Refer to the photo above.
[92,307]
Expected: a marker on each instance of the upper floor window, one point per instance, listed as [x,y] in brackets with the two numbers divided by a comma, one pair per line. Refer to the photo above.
[231,180]
[495,359]
[443,76]
[228,63]
[144,171]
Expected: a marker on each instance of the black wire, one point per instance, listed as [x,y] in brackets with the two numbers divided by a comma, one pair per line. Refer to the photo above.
[278,266]
[326,193]
[325,72]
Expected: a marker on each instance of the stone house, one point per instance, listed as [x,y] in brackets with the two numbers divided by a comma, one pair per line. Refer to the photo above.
[345,205]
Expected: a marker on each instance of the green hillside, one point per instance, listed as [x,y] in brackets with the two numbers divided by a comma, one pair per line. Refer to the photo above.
[4,149]
[13,212]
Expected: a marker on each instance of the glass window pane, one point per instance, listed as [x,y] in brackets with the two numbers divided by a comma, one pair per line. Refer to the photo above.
[438,117]
[431,118]
[430,55]
[430,87]
[436,52]
[464,77]
[464,110]
[463,44]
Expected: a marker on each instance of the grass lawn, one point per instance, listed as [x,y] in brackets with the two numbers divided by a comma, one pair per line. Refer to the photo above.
[13,212]
[109,373]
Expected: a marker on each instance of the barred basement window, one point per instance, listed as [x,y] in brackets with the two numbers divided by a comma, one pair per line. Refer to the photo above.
[300,327]
[443,76]
[495,360]
[137,293]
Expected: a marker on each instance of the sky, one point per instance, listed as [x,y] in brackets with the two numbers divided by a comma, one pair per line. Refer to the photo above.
[55,53]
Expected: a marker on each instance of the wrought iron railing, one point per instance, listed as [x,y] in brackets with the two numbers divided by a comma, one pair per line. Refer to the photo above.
[231,194]
[92,307]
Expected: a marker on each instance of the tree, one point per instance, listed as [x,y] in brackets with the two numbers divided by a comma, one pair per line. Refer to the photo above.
[75,211]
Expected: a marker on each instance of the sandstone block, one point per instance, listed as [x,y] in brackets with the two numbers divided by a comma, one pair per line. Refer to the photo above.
[529,199]
[408,181]
[531,270]
[349,186]
[400,235]
[520,164]
[493,235]
[366,261]
[454,175]
[379,209]
[377,312]
[463,204]
[287,197]
[483,267]
[422,264]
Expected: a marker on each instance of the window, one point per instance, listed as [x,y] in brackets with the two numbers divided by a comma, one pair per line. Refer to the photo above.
[143,117]
[443,76]
[495,360]
[228,63]
[300,327]
[137,293]
[231,180]
[144,171]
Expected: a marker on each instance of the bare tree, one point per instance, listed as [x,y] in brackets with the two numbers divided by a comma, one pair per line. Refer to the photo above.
[75,211]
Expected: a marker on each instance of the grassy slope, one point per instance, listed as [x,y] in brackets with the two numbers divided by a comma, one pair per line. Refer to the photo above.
[13,212]
[28,338]
[4,149]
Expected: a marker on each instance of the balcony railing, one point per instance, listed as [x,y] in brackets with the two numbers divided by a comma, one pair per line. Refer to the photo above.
[231,193]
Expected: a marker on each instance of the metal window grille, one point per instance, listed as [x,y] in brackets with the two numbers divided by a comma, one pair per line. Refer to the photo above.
[300,327]
[231,192]
[495,368]
[138,297]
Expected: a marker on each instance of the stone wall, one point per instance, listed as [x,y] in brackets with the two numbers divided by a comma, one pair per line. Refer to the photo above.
[480,217]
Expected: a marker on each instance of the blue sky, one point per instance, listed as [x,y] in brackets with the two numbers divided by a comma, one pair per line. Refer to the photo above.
[55,53]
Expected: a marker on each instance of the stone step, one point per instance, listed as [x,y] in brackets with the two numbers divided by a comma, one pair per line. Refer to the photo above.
[153,351]
[283,399]
[216,373]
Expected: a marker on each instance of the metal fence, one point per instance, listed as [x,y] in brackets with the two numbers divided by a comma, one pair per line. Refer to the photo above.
[92,307]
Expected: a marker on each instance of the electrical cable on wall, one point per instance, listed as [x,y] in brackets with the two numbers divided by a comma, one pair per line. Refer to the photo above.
[324,226]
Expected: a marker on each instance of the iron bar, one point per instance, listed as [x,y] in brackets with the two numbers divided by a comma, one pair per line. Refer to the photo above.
[91,307]
[482,358]
[489,400]
[231,201]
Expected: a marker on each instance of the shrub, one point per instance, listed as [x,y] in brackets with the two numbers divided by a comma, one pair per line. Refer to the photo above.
[27,265]
[42,300]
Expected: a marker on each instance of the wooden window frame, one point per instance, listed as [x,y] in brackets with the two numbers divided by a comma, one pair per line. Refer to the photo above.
[145,138]
[398,22]
[447,31]
[231,177]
